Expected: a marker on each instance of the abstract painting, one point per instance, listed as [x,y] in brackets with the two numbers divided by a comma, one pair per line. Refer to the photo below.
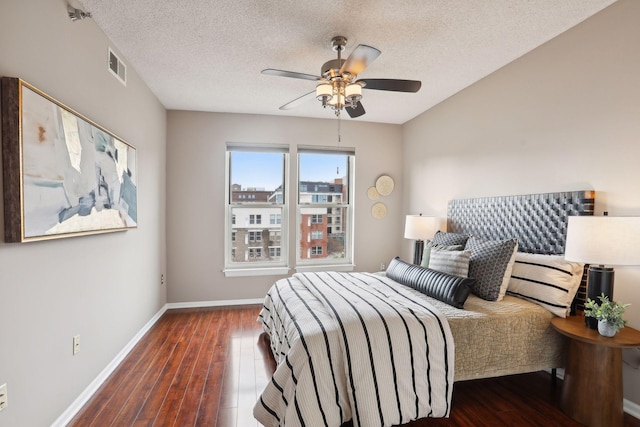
[63,174]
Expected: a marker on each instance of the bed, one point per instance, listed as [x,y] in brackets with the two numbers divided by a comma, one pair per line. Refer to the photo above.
[386,348]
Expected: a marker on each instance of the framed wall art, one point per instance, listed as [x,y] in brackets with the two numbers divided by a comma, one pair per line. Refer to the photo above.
[63,174]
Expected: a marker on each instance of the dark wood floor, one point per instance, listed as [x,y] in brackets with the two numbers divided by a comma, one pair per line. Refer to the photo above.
[207,367]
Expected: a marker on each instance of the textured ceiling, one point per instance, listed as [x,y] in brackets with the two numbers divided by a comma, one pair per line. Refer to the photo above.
[207,55]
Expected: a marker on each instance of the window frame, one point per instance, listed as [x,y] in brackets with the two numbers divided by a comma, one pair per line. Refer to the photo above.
[234,268]
[318,264]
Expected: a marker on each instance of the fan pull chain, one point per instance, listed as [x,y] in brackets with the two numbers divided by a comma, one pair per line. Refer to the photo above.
[338,150]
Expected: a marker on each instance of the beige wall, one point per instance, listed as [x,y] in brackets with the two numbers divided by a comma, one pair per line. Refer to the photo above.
[195,194]
[105,287]
[563,117]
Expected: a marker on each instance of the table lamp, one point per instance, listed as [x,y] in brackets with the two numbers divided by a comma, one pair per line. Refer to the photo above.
[419,228]
[602,241]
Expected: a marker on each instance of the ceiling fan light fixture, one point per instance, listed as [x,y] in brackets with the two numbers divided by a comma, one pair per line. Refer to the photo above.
[337,101]
[337,87]
[324,92]
[353,93]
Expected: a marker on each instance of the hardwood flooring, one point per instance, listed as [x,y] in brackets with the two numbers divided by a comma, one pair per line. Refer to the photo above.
[207,367]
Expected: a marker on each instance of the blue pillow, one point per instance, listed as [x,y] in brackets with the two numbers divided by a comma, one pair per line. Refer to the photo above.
[447,288]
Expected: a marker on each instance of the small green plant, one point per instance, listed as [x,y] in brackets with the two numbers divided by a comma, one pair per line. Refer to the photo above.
[609,311]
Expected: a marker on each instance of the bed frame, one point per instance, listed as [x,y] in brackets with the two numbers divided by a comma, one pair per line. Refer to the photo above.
[538,221]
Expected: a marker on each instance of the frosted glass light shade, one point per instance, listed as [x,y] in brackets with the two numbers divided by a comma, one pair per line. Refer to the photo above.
[337,101]
[603,240]
[353,92]
[324,90]
[418,227]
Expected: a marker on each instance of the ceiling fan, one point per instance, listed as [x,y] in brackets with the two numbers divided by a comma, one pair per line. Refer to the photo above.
[337,86]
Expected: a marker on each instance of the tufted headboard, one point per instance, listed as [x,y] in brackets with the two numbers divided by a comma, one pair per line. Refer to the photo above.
[538,221]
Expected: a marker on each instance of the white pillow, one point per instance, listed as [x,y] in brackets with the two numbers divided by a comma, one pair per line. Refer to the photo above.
[451,262]
[548,280]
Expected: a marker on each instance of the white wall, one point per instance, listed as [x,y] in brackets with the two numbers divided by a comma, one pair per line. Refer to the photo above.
[563,117]
[195,194]
[104,287]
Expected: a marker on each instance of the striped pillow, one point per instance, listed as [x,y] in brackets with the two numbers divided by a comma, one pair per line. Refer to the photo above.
[429,245]
[451,262]
[547,280]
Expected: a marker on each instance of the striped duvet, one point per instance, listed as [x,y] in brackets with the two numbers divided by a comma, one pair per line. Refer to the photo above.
[355,347]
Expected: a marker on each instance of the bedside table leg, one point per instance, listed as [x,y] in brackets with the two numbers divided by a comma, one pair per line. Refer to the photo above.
[592,388]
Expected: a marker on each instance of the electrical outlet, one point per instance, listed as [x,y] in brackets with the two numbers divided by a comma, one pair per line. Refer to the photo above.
[76,345]
[382,266]
[3,396]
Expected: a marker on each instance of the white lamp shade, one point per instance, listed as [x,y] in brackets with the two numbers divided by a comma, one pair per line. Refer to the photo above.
[353,90]
[603,240]
[324,89]
[337,100]
[418,227]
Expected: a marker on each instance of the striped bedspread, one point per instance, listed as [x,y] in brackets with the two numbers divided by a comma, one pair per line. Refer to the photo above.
[354,346]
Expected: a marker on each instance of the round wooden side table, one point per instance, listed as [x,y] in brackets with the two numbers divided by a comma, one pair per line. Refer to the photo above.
[592,387]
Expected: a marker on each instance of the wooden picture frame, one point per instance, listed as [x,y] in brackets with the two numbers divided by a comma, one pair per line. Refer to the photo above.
[63,174]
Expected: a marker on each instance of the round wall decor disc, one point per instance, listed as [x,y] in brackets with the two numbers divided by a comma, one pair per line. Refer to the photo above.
[379,210]
[372,193]
[384,185]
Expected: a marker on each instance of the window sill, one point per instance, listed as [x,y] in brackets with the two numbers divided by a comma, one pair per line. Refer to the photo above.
[260,271]
[324,267]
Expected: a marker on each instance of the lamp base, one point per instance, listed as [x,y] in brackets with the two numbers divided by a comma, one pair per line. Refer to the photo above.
[417,252]
[599,281]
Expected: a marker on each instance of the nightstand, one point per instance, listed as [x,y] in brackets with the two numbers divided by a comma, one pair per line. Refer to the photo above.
[592,387]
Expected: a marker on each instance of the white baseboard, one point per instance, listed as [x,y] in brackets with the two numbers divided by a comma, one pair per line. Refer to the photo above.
[200,304]
[631,408]
[88,392]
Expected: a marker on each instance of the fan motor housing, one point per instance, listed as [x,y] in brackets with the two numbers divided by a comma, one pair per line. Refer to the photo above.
[331,69]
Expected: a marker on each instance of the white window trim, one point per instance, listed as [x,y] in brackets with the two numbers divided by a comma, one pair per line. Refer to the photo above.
[257,268]
[324,267]
[324,264]
[260,271]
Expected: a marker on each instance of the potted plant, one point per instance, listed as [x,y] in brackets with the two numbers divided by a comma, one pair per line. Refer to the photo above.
[609,314]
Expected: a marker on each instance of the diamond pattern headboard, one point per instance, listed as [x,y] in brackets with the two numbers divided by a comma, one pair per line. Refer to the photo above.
[538,221]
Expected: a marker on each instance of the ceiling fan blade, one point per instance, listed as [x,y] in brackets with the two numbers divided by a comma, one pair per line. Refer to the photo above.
[359,59]
[355,112]
[298,101]
[293,74]
[392,85]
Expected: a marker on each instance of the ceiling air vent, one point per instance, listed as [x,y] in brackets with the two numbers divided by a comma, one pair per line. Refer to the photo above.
[117,67]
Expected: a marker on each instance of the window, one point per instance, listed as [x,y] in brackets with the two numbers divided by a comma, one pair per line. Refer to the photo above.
[275,219]
[256,208]
[324,210]
[257,223]
[274,252]
[255,252]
